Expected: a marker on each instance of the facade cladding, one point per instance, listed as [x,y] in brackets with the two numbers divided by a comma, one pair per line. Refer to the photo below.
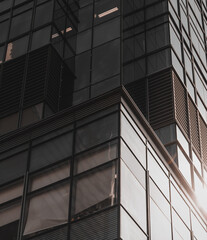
[103,120]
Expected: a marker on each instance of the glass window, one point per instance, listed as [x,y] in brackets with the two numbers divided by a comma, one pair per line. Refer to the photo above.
[9,123]
[52,151]
[4,26]
[11,163]
[96,132]
[133,140]
[50,176]
[106,32]
[83,41]
[48,209]
[17,48]
[21,24]
[106,61]
[11,191]
[96,157]
[133,196]
[41,38]
[1,54]
[157,37]
[10,214]
[43,14]
[94,191]
[159,61]
[105,86]
[82,69]
[129,229]
[32,114]
[5,4]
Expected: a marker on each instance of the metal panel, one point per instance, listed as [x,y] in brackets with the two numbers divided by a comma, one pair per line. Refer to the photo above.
[161,110]
[181,106]
[204,140]
[102,226]
[194,128]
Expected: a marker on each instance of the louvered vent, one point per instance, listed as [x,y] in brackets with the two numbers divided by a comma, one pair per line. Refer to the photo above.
[58,234]
[138,91]
[103,226]
[36,77]
[194,128]
[11,85]
[181,106]
[204,140]
[161,110]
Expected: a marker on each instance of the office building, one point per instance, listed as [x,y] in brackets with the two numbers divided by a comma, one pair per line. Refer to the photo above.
[103,120]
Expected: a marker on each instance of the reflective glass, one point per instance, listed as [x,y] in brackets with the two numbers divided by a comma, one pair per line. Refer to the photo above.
[94,191]
[48,209]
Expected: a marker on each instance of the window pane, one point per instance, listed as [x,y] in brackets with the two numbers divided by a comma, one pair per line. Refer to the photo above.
[50,176]
[9,123]
[96,132]
[96,157]
[32,114]
[20,24]
[106,61]
[17,48]
[106,32]
[52,151]
[94,191]
[10,192]
[9,214]
[41,38]
[43,14]
[48,209]
[133,196]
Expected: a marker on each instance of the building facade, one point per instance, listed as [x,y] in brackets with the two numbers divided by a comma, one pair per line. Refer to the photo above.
[103,125]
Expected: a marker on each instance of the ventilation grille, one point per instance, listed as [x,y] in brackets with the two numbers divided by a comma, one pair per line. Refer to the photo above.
[11,85]
[36,77]
[103,226]
[58,234]
[204,140]
[138,91]
[181,107]
[161,110]
[194,129]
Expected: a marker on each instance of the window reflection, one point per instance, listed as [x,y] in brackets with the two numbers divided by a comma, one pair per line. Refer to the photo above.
[108,12]
[94,191]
